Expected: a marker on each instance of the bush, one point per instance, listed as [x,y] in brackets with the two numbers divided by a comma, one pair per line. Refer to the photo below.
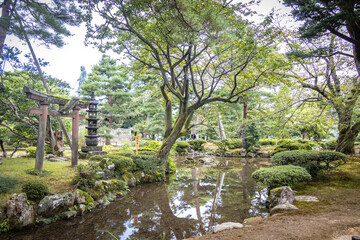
[197,144]
[36,172]
[232,143]
[147,163]
[30,152]
[35,189]
[290,145]
[152,145]
[86,176]
[122,164]
[328,145]
[312,161]
[181,147]
[267,142]
[279,176]
[7,183]
[97,158]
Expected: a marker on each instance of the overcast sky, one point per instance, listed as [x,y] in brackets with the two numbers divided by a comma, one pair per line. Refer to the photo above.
[65,62]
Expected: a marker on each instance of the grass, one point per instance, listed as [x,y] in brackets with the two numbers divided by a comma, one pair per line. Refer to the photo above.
[58,180]
[332,187]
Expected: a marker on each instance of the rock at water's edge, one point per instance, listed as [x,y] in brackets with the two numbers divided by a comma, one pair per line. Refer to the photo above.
[226,226]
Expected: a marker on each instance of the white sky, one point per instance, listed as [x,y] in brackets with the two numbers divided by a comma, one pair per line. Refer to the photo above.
[65,62]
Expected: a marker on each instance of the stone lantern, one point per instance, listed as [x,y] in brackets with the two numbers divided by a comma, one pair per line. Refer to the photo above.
[92,138]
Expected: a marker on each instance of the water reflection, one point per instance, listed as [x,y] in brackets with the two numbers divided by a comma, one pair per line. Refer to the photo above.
[191,203]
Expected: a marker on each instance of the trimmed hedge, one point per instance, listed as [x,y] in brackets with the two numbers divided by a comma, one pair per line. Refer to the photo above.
[181,146]
[35,189]
[278,176]
[328,145]
[197,144]
[267,142]
[290,145]
[233,143]
[30,152]
[312,161]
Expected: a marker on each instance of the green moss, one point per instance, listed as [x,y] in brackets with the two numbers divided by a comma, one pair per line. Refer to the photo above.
[88,199]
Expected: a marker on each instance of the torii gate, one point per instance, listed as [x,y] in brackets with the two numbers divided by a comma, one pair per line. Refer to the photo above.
[65,105]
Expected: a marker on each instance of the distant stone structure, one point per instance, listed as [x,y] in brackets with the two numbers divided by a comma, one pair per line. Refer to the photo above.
[119,135]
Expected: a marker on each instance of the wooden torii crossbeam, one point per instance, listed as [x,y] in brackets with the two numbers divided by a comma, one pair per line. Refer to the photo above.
[65,105]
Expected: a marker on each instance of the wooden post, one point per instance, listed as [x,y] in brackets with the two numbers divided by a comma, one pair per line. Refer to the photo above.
[75,137]
[137,143]
[40,146]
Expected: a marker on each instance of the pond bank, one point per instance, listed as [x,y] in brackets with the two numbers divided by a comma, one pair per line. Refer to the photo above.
[336,216]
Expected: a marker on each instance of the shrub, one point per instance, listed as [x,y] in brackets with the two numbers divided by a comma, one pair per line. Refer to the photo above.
[97,158]
[36,172]
[279,176]
[7,183]
[181,147]
[267,142]
[86,176]
[30,152]
[197,144]
[290,145]
[146,151]
[147,163]
[122,164]
[232,143]
[35,189]
[152,145]
[328,145]
[312,161]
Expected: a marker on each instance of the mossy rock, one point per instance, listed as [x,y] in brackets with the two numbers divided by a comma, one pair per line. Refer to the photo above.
[82,197]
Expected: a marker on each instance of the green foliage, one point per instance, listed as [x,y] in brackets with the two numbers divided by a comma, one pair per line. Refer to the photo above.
[7,183]
[232,143]
[278,176]
[328,145]
[4,226]
[152,145]
[197,144]
[122,164]
[35,189]
[252,137]
[267,142]
[289,145]
[147,163]
[85,176]
[181,146]
[30,152]
[312,161]
[97,158]
[36,172]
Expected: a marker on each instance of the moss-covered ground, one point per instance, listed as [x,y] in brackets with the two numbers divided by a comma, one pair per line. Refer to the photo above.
[336,214]
[58,180]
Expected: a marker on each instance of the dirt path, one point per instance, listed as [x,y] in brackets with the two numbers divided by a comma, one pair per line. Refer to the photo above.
[336,216]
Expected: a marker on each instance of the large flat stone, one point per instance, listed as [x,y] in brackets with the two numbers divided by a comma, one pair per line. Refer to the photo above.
[227,226]
[306,199]
[286,207]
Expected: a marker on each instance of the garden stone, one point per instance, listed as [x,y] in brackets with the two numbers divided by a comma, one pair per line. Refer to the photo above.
[19,212]
[227,226]
[50,205]
[68,214]
[306,199]
[252,220]
[281,195]
[50,156]
[285,207]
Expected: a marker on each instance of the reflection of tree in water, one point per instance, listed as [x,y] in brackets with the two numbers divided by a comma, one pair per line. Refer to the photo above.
[197,199]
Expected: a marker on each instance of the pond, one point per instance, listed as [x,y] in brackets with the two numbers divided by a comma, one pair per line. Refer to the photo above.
[191,202]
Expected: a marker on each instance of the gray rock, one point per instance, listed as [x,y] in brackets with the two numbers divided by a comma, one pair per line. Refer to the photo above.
[252,220]
[51,205]
[281,195]
[44,221]
[19,212]
[306,199]
[57,159]
[227,226]
[81,209]
[68,214]
[50,156]
[286,207]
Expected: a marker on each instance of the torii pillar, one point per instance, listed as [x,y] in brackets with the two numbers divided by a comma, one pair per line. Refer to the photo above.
[40,145]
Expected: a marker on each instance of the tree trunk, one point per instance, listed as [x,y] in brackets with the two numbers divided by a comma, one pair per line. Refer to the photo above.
[2,148]
[221,127]
[346,139]
[107,140]
[5,19]
[243,131]
[168,112]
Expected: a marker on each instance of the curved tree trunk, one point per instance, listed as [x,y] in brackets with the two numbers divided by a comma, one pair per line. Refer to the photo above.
[346,139]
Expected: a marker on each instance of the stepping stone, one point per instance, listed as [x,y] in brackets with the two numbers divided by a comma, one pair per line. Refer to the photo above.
[227,226]
[306,199]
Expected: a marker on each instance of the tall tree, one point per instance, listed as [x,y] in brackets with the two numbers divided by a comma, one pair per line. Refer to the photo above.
[197,47]
[44,21]
[110,82]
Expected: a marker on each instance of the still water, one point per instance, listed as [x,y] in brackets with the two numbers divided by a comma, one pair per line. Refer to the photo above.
[190,203]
